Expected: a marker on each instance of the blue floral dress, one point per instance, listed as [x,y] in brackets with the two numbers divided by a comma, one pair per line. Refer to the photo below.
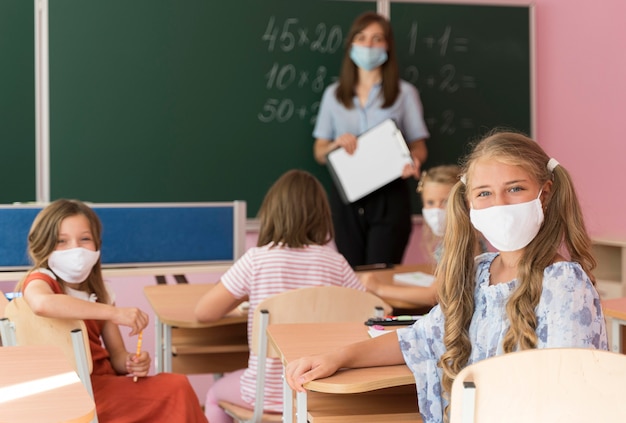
[569,314]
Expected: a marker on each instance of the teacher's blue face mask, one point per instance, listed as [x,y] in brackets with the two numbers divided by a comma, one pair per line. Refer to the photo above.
[368,58]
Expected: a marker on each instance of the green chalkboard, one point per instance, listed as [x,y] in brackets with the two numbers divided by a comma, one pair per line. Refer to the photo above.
[198,100]
[17,101]
[472,66]
[188,100]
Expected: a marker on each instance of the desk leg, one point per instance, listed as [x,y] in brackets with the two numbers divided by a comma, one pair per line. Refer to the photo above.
[167,348]
[616,336]
[287,401]
[158,340]
[301,407]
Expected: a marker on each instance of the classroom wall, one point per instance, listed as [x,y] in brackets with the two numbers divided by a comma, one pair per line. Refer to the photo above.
[581,92]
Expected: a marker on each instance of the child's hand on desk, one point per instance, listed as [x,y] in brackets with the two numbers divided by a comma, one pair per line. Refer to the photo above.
[138,365]
[306,369]
[132,317]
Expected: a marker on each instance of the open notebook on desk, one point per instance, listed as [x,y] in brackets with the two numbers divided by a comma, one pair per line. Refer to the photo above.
[414,278]
[380,157]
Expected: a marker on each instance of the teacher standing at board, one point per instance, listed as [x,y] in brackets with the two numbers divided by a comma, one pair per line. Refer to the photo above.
[376,228]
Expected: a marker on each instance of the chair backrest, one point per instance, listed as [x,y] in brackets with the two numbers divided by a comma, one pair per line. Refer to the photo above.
[68,334]
[304,305]
[317,304]
[542,385]
[31,329]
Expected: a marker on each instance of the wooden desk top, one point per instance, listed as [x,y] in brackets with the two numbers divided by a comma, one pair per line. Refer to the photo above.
[386,276]
[67,402]
[297,340]
[174,305]
[615,308]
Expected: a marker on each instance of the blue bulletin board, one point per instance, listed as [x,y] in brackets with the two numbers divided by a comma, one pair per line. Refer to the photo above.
[142,234]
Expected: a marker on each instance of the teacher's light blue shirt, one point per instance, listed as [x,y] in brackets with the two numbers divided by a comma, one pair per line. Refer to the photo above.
[334,119]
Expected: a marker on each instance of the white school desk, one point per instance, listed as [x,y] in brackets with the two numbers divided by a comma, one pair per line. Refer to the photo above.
[293,341]
[31,368]
[183,344]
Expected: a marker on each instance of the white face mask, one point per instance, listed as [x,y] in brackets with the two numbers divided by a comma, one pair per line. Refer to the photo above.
[510,227]
[73,265]
[436,220]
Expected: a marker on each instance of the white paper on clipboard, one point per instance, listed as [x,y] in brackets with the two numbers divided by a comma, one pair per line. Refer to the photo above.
[379,158]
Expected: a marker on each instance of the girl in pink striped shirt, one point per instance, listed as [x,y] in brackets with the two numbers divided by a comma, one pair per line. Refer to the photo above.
[292,252]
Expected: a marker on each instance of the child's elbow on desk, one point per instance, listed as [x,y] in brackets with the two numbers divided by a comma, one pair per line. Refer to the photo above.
[205,314]
[215,303]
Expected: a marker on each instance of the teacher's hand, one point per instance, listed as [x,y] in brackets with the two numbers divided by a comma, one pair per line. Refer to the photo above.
[413,171]
[347,142]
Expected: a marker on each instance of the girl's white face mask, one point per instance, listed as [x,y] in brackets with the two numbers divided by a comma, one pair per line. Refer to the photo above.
[435,219]
[510,227]
[73,265]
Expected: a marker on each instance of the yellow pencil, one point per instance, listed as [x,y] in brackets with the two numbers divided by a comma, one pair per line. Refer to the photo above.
[138,350]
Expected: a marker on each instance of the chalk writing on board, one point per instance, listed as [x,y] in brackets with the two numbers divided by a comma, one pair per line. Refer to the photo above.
[282,110]
[290,36]
[445,77]
[282,77]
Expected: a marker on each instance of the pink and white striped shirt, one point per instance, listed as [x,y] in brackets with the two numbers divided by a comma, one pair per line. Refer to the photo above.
[262,272]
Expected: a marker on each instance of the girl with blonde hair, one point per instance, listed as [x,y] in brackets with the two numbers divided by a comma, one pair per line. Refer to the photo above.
[526,295]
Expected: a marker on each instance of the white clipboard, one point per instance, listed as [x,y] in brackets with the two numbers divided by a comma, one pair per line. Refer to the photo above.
[380,157]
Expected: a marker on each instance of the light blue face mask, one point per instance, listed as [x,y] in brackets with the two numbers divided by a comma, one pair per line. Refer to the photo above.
[368,58]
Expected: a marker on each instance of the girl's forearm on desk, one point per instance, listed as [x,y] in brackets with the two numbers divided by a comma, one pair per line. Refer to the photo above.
[380,351]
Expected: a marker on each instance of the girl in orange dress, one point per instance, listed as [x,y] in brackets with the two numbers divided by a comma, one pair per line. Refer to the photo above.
[66,282]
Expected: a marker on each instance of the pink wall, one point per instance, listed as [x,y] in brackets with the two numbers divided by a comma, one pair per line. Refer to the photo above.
[581,89]
[581,86]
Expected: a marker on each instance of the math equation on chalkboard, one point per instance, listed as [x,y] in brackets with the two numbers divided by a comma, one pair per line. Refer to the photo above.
[472,67]
[294,85]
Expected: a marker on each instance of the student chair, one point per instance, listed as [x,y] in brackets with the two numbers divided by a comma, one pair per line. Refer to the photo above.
[571,385]
[23,327]
[304,305]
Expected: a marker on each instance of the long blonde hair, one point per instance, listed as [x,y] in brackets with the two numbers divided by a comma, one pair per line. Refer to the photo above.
[563,226]
[44,235]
